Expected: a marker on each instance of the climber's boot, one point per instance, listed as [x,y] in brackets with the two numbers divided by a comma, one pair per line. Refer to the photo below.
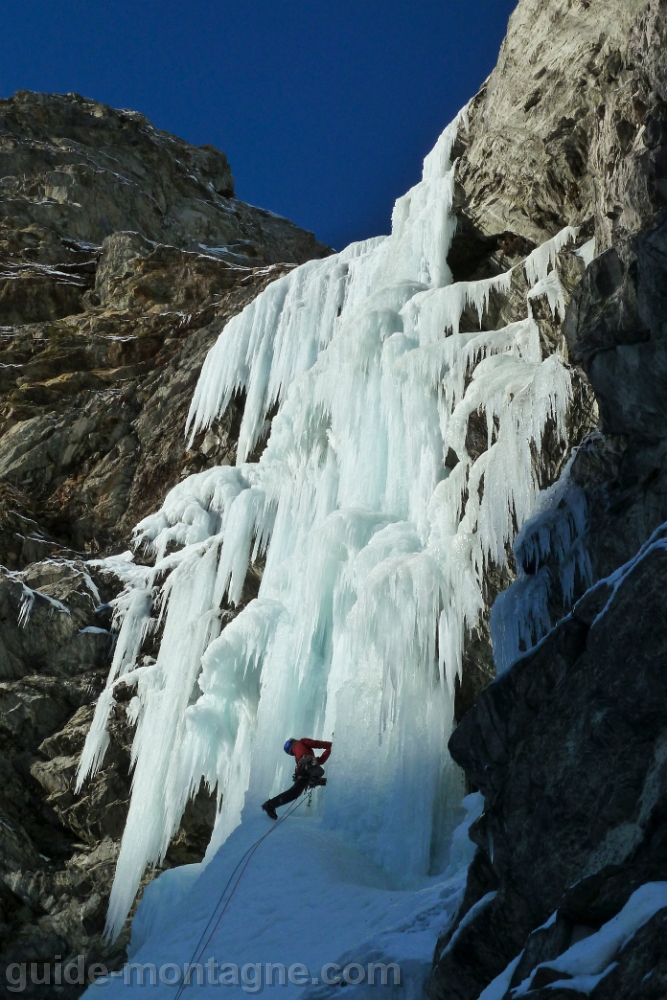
[269,810]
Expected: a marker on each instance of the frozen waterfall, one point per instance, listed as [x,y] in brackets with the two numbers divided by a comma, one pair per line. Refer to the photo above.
[375,548]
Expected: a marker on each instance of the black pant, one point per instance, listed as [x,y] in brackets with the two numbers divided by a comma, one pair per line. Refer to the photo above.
[299,786]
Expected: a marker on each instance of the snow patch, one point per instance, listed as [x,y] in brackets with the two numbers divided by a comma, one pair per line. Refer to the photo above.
[590,960]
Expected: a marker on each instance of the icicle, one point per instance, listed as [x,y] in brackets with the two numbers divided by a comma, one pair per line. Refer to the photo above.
[543,259]
[133,609]
[587,252]
[520,616]
[28,597]
[164,690]
[27,602]
[552,288]
[541,272]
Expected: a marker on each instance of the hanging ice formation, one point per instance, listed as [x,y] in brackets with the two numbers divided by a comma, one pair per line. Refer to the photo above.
[556,532]
[375,550]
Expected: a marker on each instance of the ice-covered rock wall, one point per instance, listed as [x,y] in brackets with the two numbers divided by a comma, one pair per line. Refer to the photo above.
[376,542]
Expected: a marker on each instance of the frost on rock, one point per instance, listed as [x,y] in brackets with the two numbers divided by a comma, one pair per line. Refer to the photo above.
[375,550]
[29,596]
[520,615]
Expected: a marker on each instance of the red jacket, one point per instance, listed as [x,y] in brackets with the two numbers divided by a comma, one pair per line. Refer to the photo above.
[306,746]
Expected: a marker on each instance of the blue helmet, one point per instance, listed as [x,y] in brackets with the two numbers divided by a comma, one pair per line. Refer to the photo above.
[288,745]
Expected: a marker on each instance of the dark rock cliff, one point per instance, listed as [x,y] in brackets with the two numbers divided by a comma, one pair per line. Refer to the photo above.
[568,745]
[122,255]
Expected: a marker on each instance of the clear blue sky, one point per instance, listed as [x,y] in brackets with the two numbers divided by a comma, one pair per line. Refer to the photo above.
[325,108]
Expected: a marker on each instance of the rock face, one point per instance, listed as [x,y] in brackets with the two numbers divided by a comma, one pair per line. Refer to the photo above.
[102,331]
[78,171]
[616,330]
[58,850]
[568,745]
[569,128]
[556,835]
[122,255]
[94,405]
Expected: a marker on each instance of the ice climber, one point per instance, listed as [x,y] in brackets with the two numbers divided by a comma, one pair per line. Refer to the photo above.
[308,772]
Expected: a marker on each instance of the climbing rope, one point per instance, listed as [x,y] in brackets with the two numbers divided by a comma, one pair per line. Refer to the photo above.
[242,863]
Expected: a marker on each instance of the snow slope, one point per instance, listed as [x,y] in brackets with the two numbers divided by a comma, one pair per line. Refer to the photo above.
[306,897]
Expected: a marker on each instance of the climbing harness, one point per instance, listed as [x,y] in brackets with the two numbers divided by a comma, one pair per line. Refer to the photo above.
[242,864]
[308,767]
